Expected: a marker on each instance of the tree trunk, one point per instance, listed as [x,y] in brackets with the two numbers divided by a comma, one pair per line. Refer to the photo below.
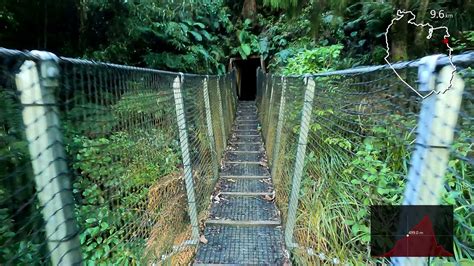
[249,9]
[45,26]
[420,37]
[399,33]
[82,10]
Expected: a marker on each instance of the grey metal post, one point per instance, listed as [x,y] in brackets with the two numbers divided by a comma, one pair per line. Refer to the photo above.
[435,132]
[299,163]
[257,98]
[45,144]
[268,79]
[281,117]
[210,131]
[270,110]
[221,114]
[264,108]
[183,138]
[227,101]
[234,92]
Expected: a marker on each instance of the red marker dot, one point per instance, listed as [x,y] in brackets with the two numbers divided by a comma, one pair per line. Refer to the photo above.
[445,40]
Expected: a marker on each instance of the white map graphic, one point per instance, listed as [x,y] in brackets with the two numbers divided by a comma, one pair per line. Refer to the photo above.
[400,15]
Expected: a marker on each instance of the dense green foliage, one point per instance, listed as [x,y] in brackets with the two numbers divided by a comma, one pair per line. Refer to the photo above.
[355,161]
[294,37]
[200,36]
[354,177]
[359,26]
[19,223]
[176,36]
[113,196]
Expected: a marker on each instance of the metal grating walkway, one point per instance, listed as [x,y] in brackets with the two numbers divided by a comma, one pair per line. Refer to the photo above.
[244,225]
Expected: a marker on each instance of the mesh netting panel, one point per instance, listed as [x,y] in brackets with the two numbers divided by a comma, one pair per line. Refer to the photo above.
[122,168]
[122,141]
[200,145]
[361,138]
[282,165]
[357,154]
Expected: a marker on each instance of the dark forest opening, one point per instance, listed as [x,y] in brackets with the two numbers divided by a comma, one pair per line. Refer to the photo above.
[247,78]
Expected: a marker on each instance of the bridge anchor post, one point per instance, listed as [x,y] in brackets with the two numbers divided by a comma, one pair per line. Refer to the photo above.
[184,141]
[221,114]
[38,86]
[299,161]
[281,118]
[435,134]
[210,132]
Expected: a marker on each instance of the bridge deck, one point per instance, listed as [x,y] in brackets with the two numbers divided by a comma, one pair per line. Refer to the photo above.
[244,224]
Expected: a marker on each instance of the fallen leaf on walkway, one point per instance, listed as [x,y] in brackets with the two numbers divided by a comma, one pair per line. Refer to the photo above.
[270,198]
[218,198]
[203,239]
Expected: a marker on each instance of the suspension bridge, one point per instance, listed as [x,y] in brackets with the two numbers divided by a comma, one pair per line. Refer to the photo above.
[110,164]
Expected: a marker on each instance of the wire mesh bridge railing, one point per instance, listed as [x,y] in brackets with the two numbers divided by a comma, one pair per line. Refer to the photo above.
[342,141]
[109,164]
[102,163]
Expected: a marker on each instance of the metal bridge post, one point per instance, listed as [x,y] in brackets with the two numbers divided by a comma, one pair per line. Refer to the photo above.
[227,100]
[270,111]
[435,133]
[210,127]
[299,162]
[233,94]
[281,117]
[48,159]
[264,105]
[183,138]
[259,80]
[221,114]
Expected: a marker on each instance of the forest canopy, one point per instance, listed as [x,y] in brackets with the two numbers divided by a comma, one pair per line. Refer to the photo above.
[200,36]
